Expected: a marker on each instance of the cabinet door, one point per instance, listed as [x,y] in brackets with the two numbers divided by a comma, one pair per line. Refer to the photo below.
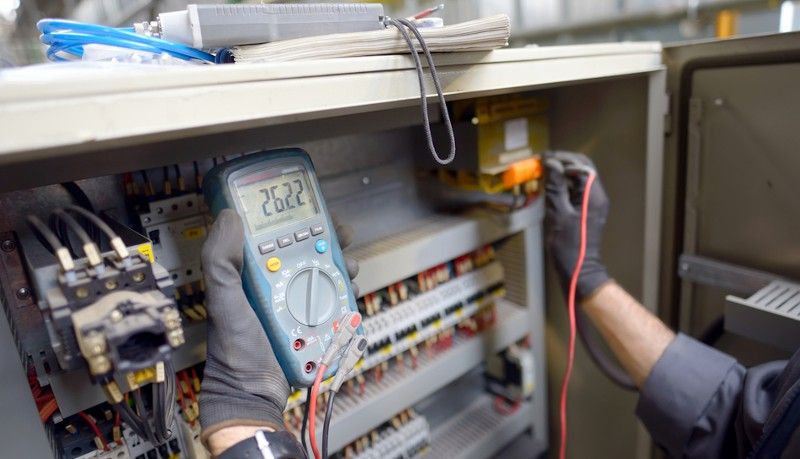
[730,175]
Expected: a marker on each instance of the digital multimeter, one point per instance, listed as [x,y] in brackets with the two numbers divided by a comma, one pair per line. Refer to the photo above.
[294,273]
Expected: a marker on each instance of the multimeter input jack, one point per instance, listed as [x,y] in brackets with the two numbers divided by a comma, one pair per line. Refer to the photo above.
[310,366]
[298,345]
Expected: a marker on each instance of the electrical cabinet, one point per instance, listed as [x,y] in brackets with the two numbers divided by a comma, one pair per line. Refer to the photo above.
[358,118]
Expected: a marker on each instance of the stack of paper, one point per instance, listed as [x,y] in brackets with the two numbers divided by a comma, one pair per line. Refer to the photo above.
[478,35]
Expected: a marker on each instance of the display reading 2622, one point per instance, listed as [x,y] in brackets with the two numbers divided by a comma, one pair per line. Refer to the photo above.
[272,200]
[293,196]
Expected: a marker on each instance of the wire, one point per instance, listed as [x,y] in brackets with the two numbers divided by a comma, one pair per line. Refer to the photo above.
[95,220]
[82,199]
[399,24]
[43,233]
[65,37]
[80,196]
[573,284]
[198,179]
[60,217]
[96,429]
[327,424]
[312,414]
[305,420]
[428,11]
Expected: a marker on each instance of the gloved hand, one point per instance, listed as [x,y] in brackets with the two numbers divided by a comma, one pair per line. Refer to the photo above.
[564,193]
[243,384]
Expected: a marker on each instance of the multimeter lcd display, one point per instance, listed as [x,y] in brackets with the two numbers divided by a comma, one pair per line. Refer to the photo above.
[271,198]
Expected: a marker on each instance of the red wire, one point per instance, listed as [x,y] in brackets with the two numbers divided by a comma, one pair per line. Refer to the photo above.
[48,409]
[96,429]
[573,285]
[312,410]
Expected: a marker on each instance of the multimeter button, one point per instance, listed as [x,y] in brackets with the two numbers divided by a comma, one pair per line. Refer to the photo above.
[321,246]
[284,241]
[266,247]
[301,235]
[317,230]
[274,264]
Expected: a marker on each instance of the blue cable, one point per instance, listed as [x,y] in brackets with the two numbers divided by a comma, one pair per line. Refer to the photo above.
[64,36]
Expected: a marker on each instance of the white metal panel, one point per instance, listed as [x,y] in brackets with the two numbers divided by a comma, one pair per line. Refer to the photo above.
[73,107]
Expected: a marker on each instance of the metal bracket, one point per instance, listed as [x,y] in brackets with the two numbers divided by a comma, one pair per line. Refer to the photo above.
[770,309]
[727,276]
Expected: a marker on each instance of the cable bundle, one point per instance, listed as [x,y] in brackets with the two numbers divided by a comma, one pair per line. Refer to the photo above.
[68,38]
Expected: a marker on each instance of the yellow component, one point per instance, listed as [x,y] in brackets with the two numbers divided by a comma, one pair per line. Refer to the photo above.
[146,249]
[139,378]
[359,364]
[412,336]
[295,396]
[727,23]
[387,349]
[194,233]
[522,171]
[274,264]
[437,324]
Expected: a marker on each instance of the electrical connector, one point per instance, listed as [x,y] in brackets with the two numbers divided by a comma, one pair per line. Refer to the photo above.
[350,357]
[345,330]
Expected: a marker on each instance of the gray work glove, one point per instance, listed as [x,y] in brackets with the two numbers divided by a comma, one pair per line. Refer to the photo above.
[564,193]
[243,384]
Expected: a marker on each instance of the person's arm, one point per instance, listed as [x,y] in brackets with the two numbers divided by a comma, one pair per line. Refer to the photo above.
[688,391]
[637,337]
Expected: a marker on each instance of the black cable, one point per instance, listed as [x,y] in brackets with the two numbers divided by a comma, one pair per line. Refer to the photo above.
[197,177]
[60,218]
[147,185]
[327,424]
[177,171]
[44,234]
[399,24]
[612,371]
[304,425]
[78,195]
[60,228]
[95,220]
[82,199]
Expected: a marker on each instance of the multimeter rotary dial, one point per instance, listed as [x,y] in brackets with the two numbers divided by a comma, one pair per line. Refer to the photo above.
[311,296]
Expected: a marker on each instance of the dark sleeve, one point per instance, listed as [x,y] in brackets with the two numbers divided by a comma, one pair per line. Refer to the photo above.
[689,400]
[698,402]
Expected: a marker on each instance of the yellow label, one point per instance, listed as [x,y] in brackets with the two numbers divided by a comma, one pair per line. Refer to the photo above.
[359,364]
[146,249]
[295,396]
[145,375]
[437,324]
[194,233]
[387,349]
[413,336]
[459,312]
